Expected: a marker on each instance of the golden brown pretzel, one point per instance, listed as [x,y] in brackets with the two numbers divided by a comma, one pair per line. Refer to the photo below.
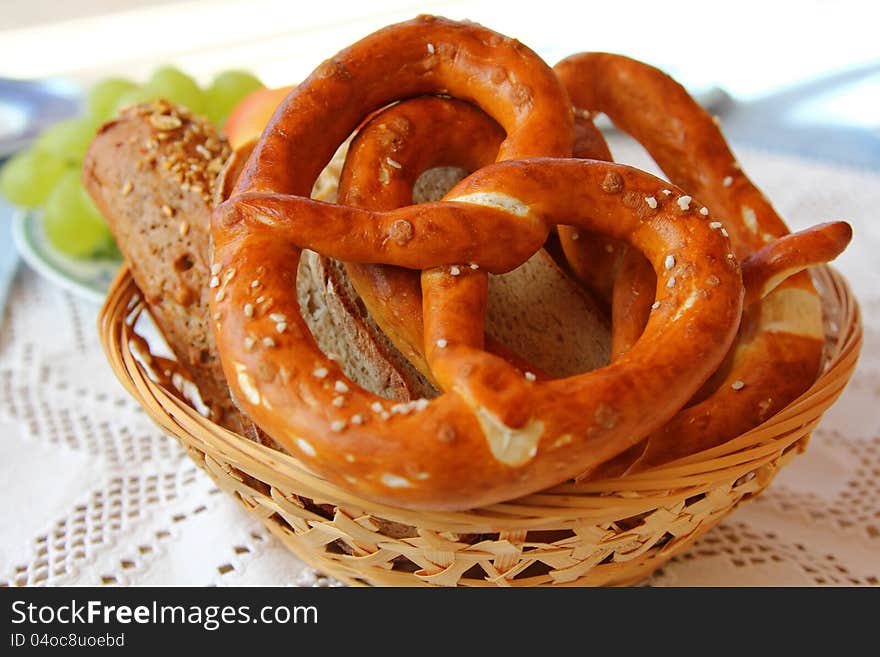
[495,434]
[777,354]
[579,192]
[477,443]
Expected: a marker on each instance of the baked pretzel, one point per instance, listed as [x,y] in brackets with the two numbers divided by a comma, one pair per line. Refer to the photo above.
[479,442]
[777,354]
[508,435]
[386,158]
[428,55]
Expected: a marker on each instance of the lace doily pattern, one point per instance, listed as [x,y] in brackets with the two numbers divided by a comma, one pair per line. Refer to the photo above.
[96,494]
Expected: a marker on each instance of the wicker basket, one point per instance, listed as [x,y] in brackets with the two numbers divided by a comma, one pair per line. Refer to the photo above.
[610,532]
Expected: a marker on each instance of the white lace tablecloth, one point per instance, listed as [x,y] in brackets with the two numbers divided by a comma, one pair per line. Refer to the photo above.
[95,494]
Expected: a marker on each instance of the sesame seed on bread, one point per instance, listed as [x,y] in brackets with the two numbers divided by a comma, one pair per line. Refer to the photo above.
[151,173]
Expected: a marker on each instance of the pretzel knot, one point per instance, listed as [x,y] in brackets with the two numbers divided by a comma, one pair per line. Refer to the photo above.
[777,354]
[494,433]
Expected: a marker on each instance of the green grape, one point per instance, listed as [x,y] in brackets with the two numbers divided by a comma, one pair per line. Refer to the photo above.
[175,85]
[71,221]
[109,251]
[27,177]
[103,97]
[225,92]
[133,97]
[68,140]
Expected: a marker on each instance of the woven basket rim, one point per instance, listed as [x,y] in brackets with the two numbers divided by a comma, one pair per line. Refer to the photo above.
[635,493]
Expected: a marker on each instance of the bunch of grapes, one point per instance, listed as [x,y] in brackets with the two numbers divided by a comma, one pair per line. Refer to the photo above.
[47,176]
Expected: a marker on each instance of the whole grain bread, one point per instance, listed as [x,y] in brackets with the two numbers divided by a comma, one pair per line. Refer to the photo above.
[151,173]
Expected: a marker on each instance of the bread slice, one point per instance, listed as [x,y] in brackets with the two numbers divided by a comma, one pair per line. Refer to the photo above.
[341,325]
[542,315]
[151,174]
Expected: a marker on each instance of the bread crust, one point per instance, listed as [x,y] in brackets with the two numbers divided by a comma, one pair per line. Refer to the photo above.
[151,173]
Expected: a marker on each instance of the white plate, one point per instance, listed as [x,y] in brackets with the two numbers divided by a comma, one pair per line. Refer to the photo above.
[86,278]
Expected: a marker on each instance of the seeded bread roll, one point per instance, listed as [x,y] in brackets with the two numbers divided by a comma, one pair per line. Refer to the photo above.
[151,173]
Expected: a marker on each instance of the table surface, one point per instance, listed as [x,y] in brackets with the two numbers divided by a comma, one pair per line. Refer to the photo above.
[95,493]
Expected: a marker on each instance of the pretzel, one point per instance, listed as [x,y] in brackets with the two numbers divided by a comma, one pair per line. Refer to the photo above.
[509,435]
[388,155]
[777,354]
[494,434]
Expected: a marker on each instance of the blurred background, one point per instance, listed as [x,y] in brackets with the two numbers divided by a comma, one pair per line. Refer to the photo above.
[806,65]
[793,78]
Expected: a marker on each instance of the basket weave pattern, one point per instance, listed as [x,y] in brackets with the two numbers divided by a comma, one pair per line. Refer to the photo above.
[609,532]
